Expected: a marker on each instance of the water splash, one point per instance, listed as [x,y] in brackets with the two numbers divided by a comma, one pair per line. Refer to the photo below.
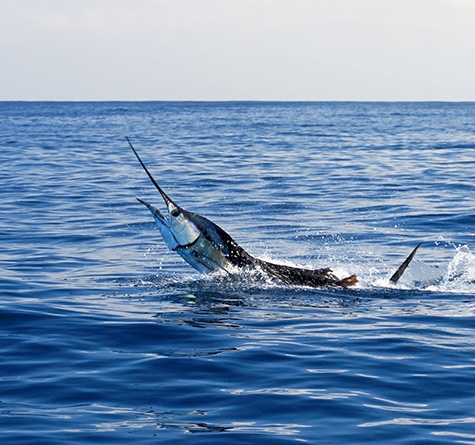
[460,275]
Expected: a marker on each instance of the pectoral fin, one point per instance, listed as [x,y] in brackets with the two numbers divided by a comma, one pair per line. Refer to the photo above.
[348,281]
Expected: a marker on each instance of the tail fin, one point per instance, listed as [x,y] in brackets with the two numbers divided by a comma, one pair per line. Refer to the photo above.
[403,266]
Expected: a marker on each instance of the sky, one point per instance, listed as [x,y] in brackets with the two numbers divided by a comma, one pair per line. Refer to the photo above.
[304,50]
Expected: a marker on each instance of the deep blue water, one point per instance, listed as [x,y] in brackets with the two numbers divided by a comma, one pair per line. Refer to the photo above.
[107,337]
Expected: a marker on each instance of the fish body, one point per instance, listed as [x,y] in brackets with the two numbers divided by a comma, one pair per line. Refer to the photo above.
[207,247]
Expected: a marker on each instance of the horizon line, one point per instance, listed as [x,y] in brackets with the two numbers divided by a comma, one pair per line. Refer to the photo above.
[230,101]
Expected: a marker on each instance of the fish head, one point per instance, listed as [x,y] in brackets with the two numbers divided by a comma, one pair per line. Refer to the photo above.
[177,228]
[182,227]
[200,242]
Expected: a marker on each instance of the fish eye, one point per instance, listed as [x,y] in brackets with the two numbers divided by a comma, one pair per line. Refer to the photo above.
[175,213]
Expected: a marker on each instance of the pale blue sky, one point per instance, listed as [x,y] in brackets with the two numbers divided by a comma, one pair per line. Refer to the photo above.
[237,50]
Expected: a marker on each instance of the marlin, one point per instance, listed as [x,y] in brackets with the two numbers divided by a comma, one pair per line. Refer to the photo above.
[207,247]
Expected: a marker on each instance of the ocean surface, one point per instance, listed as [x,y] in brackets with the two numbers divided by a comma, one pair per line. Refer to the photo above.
[107,337]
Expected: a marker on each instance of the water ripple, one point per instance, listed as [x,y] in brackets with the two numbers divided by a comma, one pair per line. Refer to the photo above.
[107,337]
